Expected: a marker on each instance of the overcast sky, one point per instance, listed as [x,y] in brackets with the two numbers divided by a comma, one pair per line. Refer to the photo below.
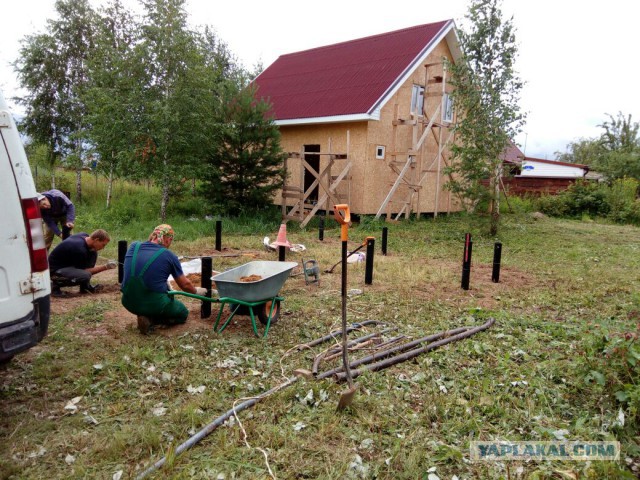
[579,59]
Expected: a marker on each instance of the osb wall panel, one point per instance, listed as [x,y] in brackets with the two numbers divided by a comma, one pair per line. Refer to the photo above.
[371,178]
[330,137]
[380,177]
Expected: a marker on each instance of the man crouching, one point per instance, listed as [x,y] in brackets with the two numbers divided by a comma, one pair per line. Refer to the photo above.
[147,266]
[73,262]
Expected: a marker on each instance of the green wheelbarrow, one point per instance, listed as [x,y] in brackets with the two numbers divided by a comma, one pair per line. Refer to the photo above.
[259,297]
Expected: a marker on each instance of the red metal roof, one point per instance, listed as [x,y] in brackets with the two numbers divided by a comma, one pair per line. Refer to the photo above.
[346,78]
[512,154]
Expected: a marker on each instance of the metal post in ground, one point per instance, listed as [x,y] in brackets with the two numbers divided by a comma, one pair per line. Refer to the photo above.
[466,262]
[497,256]
[122,251]
[282,253]
[385,232]
[368,271]
[205,282]
[219,235]
[321,228]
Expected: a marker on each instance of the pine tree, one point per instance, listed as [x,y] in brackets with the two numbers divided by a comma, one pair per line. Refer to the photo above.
[246,166]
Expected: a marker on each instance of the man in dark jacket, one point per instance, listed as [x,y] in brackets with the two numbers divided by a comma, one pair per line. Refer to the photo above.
[56,209]
[73,261]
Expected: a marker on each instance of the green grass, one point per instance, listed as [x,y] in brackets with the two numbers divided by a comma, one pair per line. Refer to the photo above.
[567,306]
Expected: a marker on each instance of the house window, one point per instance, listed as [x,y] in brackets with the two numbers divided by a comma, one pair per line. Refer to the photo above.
[380,152]
[417,100]
[447,108]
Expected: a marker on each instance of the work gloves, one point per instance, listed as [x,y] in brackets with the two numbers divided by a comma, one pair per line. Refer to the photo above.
[111,264]
[201,291]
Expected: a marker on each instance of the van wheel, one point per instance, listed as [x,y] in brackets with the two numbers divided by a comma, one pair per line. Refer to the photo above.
[263,312]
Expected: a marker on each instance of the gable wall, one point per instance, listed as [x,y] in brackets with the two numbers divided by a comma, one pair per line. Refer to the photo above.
[380,178]
[371,178]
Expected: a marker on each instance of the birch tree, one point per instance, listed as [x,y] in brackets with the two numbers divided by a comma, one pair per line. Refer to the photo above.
[52,68]
[486,95]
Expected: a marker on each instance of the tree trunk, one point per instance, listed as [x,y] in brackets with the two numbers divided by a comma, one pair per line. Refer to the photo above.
[165,191]
[110,186]
[52,165]
[165,200]
[79,183]
[495,201]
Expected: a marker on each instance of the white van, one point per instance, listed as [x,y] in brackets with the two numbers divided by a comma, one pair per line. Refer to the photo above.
[25,286]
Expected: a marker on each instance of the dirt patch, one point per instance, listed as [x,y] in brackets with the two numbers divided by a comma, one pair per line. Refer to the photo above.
[196,280]
[116,319]
[483,292]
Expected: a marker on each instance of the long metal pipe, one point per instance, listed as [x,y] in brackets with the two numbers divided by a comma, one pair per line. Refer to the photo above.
[415,352]
[215,424]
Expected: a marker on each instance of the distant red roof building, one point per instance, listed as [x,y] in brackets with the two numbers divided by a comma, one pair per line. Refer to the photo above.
[512,154]
[349,80]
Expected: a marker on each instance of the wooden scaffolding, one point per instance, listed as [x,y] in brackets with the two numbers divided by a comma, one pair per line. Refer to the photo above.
[412,173]
[332,174]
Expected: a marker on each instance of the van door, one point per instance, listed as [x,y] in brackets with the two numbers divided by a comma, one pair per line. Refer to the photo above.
[24,272]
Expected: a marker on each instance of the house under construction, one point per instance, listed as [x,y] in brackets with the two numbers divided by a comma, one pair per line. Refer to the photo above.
[368,122]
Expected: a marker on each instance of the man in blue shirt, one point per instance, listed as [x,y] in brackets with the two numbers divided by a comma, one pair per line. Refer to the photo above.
[56,208]
[147,266]
[73,261]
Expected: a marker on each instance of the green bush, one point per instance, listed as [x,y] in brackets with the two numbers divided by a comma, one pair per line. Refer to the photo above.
[621,196]
[586,197]
[552,205]
[617,202]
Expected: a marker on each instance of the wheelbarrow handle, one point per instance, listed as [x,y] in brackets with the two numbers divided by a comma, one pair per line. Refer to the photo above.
[193,295]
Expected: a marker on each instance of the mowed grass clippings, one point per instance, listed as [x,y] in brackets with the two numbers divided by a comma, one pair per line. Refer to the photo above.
[109,405]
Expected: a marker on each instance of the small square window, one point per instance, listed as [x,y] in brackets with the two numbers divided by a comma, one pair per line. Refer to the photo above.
[380,152]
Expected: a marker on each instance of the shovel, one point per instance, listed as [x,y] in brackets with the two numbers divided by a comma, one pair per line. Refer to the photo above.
[343,217]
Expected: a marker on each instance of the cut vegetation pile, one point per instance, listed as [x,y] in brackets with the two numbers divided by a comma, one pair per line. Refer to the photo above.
[98,400]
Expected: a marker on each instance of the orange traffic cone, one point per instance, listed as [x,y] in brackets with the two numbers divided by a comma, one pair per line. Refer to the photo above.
[282,237]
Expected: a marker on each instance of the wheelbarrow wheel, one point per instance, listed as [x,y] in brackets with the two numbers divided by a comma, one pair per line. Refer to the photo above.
[263,312]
